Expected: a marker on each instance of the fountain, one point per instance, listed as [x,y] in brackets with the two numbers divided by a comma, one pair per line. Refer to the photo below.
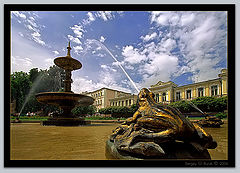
[66,100]
[158,131]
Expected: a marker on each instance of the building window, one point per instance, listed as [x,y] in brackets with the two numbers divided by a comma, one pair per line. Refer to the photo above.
[164,98]
[178,96]
[122,103]
[119,103]
[200,92]
[214,90]
[112,103]
[189,94]
[126,102]
[157,98]
[130,102]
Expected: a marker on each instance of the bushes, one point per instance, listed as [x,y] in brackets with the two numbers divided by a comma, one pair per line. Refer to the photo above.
[206,104]
[221,115]
[119,111]
[84,110]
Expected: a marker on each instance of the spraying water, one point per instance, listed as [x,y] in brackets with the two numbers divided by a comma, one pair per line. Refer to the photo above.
[193,105]
[31,92]
[104,47]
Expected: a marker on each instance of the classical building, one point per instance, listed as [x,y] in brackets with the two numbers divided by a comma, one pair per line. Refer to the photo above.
[104,95]
[167,92]
[124,99]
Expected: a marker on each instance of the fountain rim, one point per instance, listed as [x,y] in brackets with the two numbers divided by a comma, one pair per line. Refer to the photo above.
[77,64]
[60,94]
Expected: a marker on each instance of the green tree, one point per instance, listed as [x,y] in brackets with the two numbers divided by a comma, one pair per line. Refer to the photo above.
[84,110]
[33,74]
[24,86]
[20,86]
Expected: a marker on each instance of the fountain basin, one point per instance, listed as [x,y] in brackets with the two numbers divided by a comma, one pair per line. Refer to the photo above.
[67,63]
[64,99]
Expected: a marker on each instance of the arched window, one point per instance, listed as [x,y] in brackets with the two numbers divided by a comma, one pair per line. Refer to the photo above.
[164,98]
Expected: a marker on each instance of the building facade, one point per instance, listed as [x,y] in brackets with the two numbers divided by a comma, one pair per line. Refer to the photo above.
[103,96]
[124,99]
[167,92]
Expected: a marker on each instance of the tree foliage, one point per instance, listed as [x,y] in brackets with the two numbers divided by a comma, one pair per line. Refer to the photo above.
[205,104]
[24,86]
[119,111]
[84,110]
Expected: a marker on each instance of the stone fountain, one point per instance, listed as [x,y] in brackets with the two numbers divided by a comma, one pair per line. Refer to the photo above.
[66,100]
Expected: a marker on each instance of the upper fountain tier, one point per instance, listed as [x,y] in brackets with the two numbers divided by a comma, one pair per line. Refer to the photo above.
[67,62]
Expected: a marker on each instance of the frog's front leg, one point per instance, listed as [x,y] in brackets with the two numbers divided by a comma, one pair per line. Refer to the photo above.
[133,119]
[161,137]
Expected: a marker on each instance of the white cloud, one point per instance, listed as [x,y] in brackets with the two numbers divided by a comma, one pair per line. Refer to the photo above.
[30,27]
[37,38]
[21,34]
[32,22]
[75,40]
[49,62]
[160,63]
[201,40]
[107,68]
[20,64]
[132,55]
[78,30]
[81,84]
[187,19]
[90,16]
[101,55]
[166,45]
[19,14]
[147,38]
[32,18]
[165,18]
[105,15]
[55,52]
[102,39]
[78,49]
[99,48]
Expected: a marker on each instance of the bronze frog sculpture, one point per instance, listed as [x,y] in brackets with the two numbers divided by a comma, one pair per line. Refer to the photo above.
[156,125]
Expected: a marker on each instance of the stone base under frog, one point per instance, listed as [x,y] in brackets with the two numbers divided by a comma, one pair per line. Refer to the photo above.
[175,150]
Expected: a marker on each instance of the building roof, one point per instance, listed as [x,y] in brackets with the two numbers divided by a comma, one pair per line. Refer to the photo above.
[107,89]
[160,83]
[217,79]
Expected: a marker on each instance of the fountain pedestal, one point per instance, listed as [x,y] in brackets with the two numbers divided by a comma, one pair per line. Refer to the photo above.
[66,100]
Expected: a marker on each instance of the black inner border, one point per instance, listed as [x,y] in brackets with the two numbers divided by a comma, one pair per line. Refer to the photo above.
[230,8]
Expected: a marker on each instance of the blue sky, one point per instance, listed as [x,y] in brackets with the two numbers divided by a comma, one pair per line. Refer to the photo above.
[184,47]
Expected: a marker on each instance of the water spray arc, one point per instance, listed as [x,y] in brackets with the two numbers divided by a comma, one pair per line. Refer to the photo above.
[89,41]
